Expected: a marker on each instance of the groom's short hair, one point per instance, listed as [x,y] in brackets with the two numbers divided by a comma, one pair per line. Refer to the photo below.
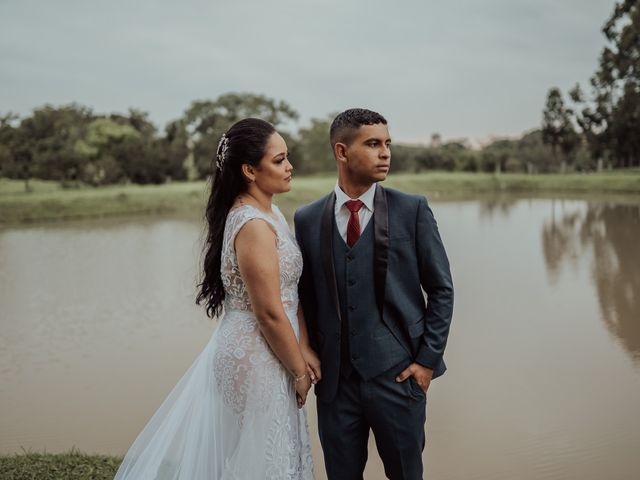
[345,126]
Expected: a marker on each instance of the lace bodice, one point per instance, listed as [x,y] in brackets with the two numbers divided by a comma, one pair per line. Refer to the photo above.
[290,259]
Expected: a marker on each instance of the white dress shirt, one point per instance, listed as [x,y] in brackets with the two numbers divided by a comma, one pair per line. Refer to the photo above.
[342,213]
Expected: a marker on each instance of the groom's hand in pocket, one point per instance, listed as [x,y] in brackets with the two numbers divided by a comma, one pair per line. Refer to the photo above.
[422,375]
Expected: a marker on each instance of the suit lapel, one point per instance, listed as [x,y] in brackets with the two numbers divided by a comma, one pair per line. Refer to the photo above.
[381,235]
[326,237]
[381,261]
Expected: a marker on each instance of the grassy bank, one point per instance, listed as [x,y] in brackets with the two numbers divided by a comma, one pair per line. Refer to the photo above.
[49,202]
[68,466]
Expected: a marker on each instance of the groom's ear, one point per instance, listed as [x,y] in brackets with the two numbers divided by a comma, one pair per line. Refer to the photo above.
[340,152]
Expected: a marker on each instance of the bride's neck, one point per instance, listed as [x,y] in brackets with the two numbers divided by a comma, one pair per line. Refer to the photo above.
[257,198]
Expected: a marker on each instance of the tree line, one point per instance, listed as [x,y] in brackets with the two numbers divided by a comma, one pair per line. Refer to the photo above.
[75,146]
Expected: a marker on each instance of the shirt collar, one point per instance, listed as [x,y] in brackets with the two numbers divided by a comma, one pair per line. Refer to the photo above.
[366,197]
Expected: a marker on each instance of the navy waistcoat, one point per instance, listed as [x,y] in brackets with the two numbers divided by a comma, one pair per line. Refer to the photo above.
[366,345]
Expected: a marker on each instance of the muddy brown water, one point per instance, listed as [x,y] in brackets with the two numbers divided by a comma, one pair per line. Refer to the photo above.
[97,323]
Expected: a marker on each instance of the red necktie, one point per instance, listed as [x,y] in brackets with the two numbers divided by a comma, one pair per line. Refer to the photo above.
[353,227]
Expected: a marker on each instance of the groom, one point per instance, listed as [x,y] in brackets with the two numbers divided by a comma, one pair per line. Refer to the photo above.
[369,252]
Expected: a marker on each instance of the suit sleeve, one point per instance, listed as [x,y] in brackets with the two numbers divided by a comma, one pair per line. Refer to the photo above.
[306,289]
[435,278]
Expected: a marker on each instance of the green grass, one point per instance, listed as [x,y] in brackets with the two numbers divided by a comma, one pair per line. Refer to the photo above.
[14,187]
[445,182]
[49,202]
[73,465]
[46,203]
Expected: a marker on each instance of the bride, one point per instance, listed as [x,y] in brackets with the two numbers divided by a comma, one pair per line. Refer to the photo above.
[237,413]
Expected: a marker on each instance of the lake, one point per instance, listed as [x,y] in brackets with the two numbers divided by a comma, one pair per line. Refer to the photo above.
[98,322]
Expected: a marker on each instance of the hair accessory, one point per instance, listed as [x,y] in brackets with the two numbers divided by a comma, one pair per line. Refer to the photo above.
[221,152]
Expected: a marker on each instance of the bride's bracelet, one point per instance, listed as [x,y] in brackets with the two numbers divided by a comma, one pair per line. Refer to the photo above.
[297,379]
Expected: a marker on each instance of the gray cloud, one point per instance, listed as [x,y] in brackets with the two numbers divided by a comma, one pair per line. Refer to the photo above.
[464,68]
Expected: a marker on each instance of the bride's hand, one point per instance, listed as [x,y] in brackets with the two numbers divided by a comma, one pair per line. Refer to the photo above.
[313,363]
[302,385]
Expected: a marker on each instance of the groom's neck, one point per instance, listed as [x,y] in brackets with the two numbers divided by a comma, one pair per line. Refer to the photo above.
[353,189]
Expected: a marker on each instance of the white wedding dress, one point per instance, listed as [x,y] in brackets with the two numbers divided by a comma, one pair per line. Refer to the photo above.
[233,415]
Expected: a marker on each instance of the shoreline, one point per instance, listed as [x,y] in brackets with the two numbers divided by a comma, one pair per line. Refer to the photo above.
[48,202]
[72,465]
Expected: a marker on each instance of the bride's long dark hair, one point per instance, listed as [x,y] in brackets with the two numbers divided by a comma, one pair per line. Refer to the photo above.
[246,142]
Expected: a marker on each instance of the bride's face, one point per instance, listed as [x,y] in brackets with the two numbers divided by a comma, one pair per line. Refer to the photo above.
[273,175]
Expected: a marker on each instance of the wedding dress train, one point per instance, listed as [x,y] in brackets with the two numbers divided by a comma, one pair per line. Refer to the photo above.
[233,415]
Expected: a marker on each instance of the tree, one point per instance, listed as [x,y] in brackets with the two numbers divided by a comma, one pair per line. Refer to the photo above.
[50,135]
[101,147]
[496,156]
[533,154]
[591,124]
[404,157]
[625,127]
[451,154]
[207,120]
[139,155]
[610,119]
[314,147]
[24,160]
[126,148]
[16,160]
[7,136]
[176,150]
[557,129]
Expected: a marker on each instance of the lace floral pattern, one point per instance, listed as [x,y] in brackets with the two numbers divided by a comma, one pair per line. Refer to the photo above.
[251,380]
[242,360]
[290,259]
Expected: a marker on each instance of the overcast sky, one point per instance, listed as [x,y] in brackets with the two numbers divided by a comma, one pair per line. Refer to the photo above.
[463,68]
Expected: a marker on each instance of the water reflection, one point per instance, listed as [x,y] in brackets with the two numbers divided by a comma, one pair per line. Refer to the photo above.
[610,234]
[493,206]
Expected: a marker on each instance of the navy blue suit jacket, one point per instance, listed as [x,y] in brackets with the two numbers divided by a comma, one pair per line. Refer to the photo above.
[410,260]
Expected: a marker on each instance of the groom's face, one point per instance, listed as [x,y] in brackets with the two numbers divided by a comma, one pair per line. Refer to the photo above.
[369,154]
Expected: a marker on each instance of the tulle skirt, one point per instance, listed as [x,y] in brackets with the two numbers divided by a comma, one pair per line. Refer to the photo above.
[232,416]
